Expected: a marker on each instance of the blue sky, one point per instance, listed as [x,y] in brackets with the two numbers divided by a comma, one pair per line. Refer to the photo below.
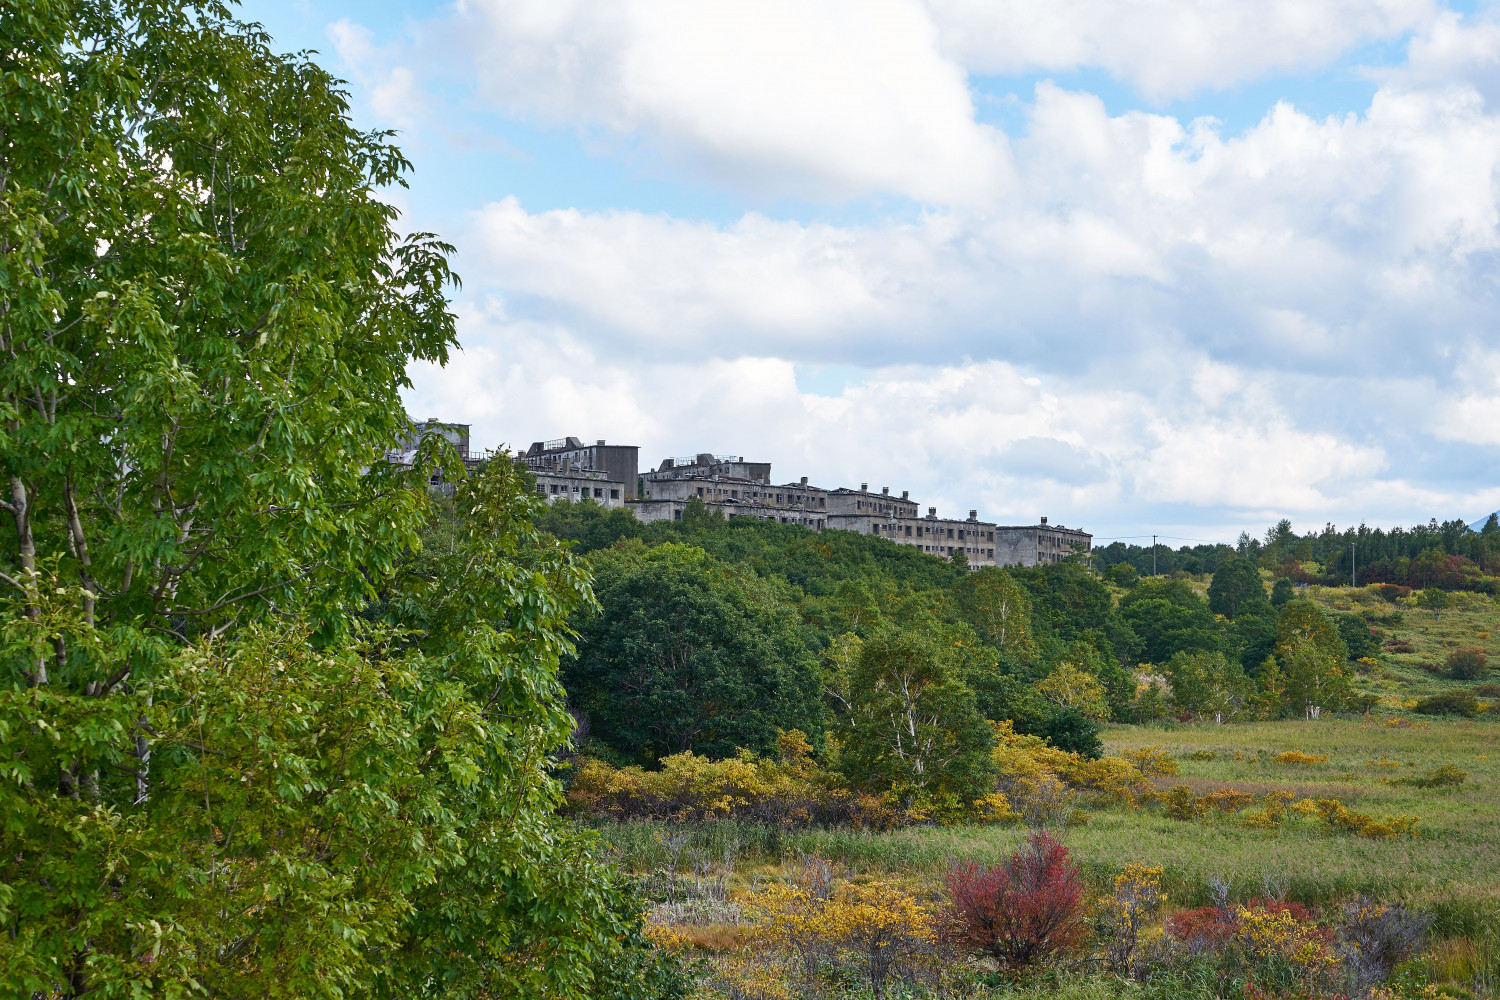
[1138,266]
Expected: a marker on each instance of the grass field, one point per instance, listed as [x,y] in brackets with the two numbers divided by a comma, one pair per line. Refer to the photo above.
[1454,861]
[1451,868]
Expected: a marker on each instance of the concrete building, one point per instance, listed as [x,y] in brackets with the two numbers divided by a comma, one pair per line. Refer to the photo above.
[619,463]
[405,452]
[1033,545]
[862,501]
[650,509]
[706,466]
[565,483]
[710,489]
[932,534]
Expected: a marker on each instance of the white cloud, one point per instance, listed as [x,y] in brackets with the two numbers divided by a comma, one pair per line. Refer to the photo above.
[1167,48]
[393,92]
[825,100]
[977,435]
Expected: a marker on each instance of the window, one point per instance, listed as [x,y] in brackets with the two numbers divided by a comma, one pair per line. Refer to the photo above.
[778,498]
[908,531]
[599,492]
[700,491]
[614,494]
[677,515]
[950,535]
[554,487]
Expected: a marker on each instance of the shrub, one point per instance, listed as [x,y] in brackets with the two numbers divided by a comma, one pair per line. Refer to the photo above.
[879,923]
[1376,937]
[1487,690]
[1203,755]
[1447,776]
[1449,703]
[1391,592]
[1180,803]
[1071,730]
[1137,894]
[1152,761]
[1467,665]
[1022,911]
[1338,816]
[1298,757]
[1398,646]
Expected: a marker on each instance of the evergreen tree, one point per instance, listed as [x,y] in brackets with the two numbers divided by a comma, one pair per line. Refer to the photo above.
[1236,583]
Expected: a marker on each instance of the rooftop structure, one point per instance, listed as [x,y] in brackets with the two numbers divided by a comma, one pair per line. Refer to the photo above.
[619,462]
[705,465]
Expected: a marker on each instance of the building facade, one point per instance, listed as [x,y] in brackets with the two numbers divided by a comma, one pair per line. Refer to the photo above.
[862,501]
[932,534]
[577,485]
[619,463]
[648,509]
[1039,544]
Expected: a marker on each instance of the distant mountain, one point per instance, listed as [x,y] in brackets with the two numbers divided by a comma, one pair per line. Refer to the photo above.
[1479,524]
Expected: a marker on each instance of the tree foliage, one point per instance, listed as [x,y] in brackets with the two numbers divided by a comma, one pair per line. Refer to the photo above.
[914,728]
[685,653]
[252,745]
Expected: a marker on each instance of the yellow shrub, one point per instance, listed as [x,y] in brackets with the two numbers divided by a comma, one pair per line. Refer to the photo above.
[1339,817]
[1152,761]
[1298,757]
[1272,812]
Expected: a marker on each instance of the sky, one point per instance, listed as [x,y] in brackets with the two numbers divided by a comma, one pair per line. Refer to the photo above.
[1142,267]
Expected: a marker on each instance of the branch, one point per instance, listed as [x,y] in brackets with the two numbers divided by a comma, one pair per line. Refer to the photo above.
[254,593]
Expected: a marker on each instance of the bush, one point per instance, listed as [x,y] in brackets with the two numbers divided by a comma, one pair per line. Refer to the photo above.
[1022,911]
[1298,757]
[1487,690]
[1376,937]
[1467,665]
[1449,703]
[1069,729]
[1447,776]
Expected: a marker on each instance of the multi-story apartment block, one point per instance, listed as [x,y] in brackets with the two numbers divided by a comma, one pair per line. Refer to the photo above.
[706,466]
[862,501]
[566,483]
[1033,545]
[659,509]
[620,463]
[938,536]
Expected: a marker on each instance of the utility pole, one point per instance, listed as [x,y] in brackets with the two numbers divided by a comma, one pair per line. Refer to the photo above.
[1153,555]
[1352,564]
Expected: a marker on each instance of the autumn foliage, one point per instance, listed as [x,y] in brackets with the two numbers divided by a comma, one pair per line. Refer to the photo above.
[1022,911]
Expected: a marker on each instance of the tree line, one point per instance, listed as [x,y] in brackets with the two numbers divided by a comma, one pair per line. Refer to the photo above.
[1448,555]
[715,636]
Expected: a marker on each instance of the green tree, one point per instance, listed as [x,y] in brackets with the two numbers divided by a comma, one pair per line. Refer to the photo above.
[998,610]
[1236,584]
[1167,616]
[1434,600]
[1312,657]
[1122,575]
[915,730]
[218,777]
[1282,591]
[1208,685]
[686,653]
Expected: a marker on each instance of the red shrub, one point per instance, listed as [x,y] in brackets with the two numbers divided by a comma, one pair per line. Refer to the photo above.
[1208,927]
[1023,910]
[1202,929]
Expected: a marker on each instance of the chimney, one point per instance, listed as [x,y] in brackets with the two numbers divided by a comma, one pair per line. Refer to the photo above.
[905,494]
[600,442]
[804,480]
[864,487]
[932,512]
[973,515]
[1044,520]
[886,490]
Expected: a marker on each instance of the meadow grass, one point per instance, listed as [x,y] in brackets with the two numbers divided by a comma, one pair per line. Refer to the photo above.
[1452,868]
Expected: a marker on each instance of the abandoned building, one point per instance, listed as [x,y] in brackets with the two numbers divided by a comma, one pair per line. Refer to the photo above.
[619,463]
[1038,544]
[732,487]
[707,466]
